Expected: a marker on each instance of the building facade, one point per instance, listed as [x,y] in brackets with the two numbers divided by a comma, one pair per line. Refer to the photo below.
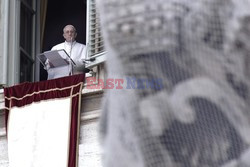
[22,29]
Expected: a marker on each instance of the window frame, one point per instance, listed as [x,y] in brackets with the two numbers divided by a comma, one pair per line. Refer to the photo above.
[27,54]
[99,57]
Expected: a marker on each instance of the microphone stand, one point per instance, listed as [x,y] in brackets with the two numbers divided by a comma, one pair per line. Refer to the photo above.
[71,65]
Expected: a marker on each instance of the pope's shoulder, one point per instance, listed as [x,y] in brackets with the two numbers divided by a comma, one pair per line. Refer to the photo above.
[80,44]
[58,46]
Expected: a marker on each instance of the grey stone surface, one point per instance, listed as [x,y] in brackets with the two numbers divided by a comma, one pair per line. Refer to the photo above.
[3,152]
[89,148]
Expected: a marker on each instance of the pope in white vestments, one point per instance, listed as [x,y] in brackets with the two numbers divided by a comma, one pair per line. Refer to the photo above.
[75,50]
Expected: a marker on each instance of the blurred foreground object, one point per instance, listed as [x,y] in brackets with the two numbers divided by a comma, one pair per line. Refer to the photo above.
[199,50]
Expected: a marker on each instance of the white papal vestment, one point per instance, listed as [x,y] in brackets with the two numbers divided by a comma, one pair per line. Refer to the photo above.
[77,52]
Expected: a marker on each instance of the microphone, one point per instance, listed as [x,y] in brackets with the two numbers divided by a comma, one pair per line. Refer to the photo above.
[90,59]
[71,44]
[86,70]
[71,65]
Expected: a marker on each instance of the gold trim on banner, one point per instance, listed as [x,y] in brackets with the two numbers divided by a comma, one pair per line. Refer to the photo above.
[78,127]
[76,94]
[42,91]
[70,114]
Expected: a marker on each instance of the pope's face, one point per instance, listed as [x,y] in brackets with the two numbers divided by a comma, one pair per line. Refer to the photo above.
[69,33]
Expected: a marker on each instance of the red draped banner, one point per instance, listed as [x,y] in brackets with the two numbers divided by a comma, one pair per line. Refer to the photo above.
[43,122]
